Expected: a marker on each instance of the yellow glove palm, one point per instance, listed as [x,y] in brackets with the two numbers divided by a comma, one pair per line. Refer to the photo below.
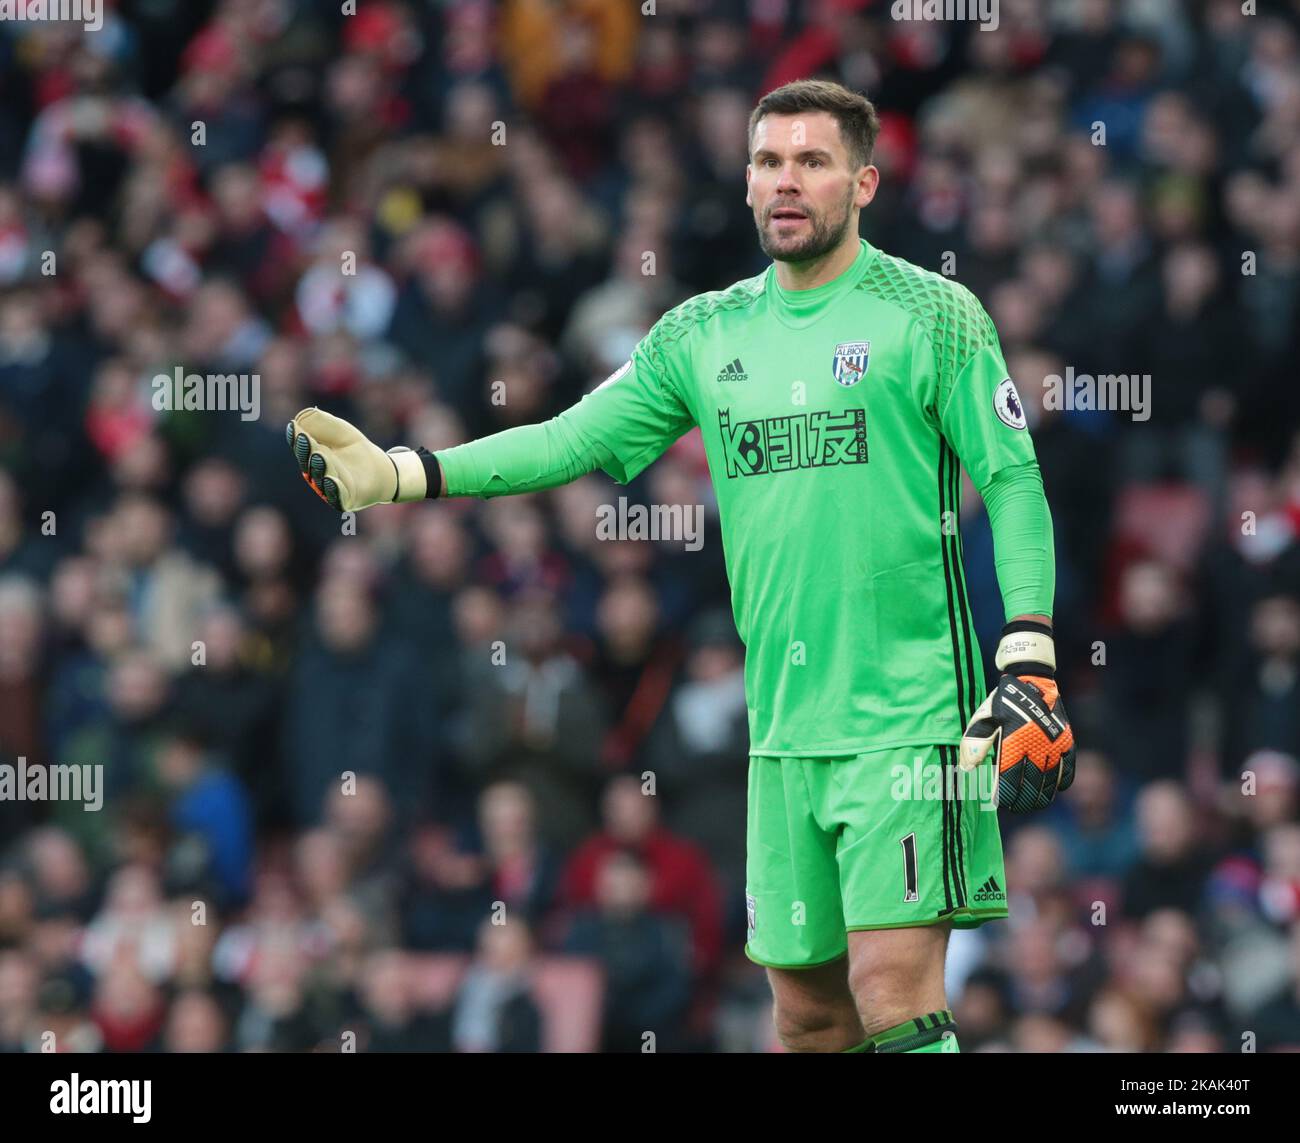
[348,470]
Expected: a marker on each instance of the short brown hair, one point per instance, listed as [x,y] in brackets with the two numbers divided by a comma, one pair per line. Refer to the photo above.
[856,114]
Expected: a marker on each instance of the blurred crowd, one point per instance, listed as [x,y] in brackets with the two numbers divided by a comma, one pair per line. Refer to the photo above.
[463,776]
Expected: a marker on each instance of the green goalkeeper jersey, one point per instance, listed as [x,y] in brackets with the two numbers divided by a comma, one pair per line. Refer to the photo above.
[833,419]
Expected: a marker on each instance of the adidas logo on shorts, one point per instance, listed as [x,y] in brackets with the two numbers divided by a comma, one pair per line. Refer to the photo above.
[989,891]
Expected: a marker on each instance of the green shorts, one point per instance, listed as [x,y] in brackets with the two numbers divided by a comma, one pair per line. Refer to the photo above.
[885,840]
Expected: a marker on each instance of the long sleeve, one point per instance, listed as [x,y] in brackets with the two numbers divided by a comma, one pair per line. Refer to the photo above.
[981,415]
[1023,552]
[627,422]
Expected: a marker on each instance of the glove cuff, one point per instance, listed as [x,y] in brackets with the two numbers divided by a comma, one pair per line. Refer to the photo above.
[1026,648]
[410,474]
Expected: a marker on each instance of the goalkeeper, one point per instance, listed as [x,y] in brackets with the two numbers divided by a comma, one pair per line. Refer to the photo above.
[838,394]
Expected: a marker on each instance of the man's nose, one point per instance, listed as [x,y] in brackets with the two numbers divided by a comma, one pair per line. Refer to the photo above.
[788,180]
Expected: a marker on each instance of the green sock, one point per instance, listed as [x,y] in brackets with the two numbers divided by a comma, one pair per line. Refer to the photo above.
[933,1033]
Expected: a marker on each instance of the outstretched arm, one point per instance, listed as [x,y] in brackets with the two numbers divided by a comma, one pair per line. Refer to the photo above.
[627,422]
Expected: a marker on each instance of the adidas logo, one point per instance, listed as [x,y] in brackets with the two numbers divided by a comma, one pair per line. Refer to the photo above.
[990,891]
[733,371]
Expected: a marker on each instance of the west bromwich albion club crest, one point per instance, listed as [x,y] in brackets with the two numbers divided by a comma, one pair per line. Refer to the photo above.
[851,362]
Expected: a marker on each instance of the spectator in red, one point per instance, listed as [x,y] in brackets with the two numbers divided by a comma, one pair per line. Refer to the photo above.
[681,880]
[523,871]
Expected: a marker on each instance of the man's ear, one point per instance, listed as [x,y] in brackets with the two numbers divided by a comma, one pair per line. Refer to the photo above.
[749,174]
[870,183]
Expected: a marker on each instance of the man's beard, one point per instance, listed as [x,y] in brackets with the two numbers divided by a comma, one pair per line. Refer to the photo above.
[825,234]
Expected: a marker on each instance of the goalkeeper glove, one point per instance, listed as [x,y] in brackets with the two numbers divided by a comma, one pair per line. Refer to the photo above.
[350,472]
[1023,722]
